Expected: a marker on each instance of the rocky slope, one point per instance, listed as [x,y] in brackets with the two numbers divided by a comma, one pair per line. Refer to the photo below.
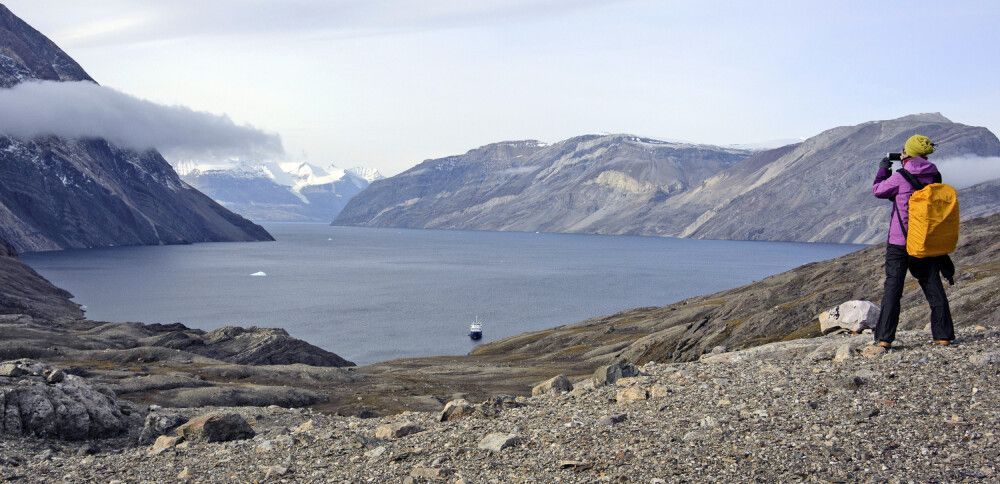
[282,192]
[24,291]
[820,190]
[808,410]
[816,190]
[583,184]
[71,193]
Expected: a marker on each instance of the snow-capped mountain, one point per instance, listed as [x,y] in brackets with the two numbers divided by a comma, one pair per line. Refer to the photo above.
[367,173]
[280,191]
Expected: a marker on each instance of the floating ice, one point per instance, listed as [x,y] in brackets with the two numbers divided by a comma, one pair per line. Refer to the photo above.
[259,274]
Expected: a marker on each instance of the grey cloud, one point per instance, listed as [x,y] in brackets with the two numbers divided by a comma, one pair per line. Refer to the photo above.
[132,21]
[965,171]
[87,110]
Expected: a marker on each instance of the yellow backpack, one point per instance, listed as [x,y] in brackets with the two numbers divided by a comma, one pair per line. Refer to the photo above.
[934,218]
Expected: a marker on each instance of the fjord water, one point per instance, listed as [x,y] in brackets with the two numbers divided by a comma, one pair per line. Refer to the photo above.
[377,294]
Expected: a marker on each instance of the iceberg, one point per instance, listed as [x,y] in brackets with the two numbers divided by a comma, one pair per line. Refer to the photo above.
[259,274]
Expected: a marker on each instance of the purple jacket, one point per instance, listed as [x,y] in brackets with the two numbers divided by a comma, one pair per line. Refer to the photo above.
[891,185]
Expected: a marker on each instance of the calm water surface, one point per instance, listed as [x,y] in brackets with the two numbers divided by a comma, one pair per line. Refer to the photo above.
[377,294]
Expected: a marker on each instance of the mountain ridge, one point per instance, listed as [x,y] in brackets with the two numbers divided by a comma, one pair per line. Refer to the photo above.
[816,190]
[283,191]
[76,193]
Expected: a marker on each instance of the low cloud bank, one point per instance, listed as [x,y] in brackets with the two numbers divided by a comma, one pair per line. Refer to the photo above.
[87,110]
[965,171]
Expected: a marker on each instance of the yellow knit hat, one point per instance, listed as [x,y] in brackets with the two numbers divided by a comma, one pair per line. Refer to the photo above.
[918,145]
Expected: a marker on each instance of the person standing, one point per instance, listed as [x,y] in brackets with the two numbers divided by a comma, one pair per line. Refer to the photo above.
[928,271]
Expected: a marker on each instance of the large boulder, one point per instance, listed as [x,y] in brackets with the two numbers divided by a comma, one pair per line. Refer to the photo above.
[456,409]
[555,385]
[853,316]
[65,408]
[160,423]
[216,427]
[609,374]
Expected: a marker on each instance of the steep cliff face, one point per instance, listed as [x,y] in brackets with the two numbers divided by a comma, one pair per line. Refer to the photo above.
[586,184]
[71,193]
[816,190]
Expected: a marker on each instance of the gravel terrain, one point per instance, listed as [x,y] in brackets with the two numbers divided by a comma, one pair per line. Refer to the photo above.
[806,410]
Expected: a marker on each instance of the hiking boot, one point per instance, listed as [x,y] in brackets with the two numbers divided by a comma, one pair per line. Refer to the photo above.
[942,342]
[876,350]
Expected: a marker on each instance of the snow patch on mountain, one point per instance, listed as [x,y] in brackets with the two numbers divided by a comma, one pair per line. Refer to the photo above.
[366,173]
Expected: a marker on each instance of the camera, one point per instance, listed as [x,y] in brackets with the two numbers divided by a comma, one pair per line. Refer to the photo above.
[894,156]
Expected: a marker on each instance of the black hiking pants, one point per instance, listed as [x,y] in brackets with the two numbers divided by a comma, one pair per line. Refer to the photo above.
[928,274]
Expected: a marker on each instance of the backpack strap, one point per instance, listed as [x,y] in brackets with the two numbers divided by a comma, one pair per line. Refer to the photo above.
[899,216]
[912,180]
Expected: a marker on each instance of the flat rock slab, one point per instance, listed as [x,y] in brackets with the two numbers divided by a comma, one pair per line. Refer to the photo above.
[216,427]
[499,441]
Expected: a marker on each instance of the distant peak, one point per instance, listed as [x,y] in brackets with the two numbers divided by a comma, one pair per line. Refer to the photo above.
[926,118]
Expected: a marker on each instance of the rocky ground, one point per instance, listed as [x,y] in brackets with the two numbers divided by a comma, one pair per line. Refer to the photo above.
[805,410]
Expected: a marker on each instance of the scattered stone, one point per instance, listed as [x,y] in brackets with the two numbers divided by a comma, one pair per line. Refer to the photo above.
[554,385]
[457,409]
[304,427]
[279,471]
[575,465]
[376,452]
[659,391]
[396,430]
[87,449]
[184,474]
[163,443]
[216,427]
[613,419]
[984,359]
[709,422]
[631,394]
[24,367]
[499,441]
[55,376]
[582,387]
[159,423]
[609,374]
[843,353]
[854,382]
[433,473]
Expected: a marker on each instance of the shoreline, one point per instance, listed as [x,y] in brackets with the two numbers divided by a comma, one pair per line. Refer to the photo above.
[654,286]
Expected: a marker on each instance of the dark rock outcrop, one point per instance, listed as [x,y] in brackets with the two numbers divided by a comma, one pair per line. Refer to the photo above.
[264,346]
[69,409]
[70,193]
[24,291]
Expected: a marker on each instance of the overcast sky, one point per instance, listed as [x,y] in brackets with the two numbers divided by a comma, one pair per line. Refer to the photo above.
[390,83]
